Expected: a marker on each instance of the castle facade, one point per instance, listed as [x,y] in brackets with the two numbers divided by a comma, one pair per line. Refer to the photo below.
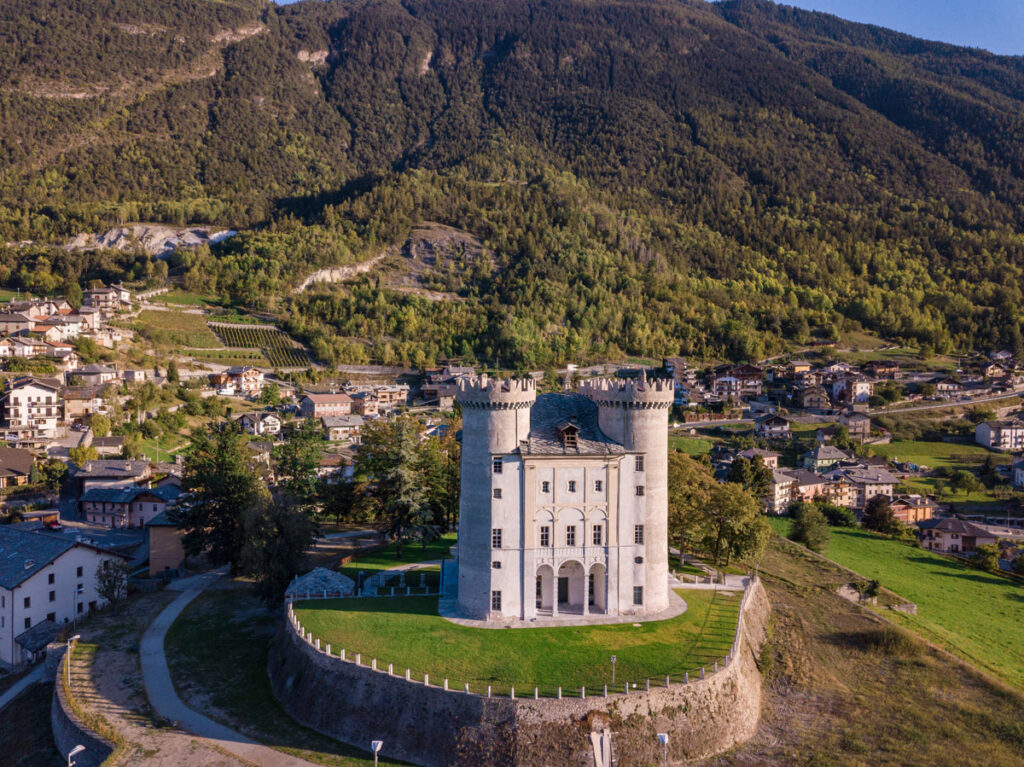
[564,505]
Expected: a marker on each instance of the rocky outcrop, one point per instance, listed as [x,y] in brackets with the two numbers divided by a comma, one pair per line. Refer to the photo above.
[339,273]
[155,239]
[431,726]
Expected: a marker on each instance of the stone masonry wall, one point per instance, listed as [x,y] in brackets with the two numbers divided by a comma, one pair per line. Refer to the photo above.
[432,727]
[69,731]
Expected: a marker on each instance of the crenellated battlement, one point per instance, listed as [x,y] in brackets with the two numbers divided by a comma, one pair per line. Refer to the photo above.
[642,392]
[496,393]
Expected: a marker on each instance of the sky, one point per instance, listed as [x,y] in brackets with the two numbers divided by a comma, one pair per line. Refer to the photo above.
[995,25]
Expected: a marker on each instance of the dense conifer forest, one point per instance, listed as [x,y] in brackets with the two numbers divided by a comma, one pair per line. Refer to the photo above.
[655,177]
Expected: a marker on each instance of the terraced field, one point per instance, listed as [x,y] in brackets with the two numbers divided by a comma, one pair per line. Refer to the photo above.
[279,349]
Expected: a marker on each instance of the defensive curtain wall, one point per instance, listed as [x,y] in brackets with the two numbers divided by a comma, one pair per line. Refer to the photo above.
[423,721]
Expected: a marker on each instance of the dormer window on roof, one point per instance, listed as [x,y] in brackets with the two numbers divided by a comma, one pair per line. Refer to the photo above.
[569,433]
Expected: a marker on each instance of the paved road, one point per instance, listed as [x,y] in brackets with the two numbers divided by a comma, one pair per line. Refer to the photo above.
[38,674]
[948,404]
[163,697]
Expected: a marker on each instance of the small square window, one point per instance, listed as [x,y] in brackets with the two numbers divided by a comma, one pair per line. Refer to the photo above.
[545,536]
[496,466]
[639,489]
[638,534]
[495,600]
[598,486]
[639,463]
[572,486]
[496,538]
[51,617]
[598,535]
[638,595]
[496,493]
[496,565]
[545,487]
[570,535]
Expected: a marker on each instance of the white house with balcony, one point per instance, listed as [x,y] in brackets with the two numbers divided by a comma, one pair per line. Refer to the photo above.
[1000,435]
[33,405]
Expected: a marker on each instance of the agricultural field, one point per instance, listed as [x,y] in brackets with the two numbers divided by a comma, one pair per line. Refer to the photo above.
[934,455]
[177,328]
[230,356]
[974,615]
[279,349]
[691,445]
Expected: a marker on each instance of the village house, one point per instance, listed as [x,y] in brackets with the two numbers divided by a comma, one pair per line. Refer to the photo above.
[314,405]
[772,427]
[15,323]
[857,424]
[824,457]
[392,396]
[260,423]
[113,473]
[247,380]
[46,580]
[841,492]
[868,481]
[911,509]
[89,317]
[80,402]
[807,484]
[108,447]
[134,376]
[94,374]
[768,457]
[947,387]
[365,404]
[126,506]
[166,546]
[342,427]
[33,405]
[815,398]
[853,388]
[951,535]
[797,367]
[108,300]
[1000,435]
[727,387]
[881,369]
[1018,471]
[782,492]
[15,466]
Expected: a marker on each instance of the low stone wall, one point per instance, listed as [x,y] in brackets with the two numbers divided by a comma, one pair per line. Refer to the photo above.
[69,731]
[431,726]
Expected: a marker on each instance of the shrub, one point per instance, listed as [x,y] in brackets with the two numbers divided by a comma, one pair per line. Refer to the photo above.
[810,527]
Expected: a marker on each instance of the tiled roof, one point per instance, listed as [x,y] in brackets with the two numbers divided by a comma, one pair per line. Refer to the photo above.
[114,468]
[129,494]
[334,421]
[549,411]
[327,399]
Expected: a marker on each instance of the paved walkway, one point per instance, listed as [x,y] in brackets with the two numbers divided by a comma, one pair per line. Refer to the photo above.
[164,699]
[38,674]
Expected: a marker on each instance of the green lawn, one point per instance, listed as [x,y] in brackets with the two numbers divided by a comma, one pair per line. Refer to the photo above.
[938,454]
[691,445]
[408,632]
[975,615]
[163,447]
[385,559]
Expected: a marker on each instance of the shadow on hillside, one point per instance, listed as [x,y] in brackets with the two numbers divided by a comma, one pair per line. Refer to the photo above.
[978,577]
[309,207]
[940,561]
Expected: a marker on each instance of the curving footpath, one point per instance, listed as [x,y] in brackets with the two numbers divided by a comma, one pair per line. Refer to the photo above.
[157,678]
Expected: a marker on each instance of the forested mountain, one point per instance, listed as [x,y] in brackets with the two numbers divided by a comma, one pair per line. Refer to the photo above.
[652,177]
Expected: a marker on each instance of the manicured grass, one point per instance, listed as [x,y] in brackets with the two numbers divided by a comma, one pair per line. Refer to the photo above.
[938,454]
[6,294]
[217,650]
[181,328]
[408,632]
[691,445]
[972,614]
[386,559]
[164,447]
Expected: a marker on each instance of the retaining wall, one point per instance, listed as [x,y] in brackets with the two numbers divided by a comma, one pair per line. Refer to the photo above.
[69,731]
[431,726]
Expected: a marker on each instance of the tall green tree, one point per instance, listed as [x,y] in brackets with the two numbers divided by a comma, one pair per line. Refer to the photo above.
[277,534]
[219,488]
[297,460]
[810,527]
[878,516]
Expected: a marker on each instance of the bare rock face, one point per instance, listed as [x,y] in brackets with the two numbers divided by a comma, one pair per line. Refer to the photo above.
[156,239]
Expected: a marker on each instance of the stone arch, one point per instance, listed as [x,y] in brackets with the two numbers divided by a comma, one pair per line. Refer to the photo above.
[597,587]
[545,587]
[571,586]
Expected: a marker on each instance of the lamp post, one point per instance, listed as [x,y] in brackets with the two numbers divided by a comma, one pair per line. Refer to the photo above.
[67,662]
[613,670]
[74,752]
[663,740]
[375,746]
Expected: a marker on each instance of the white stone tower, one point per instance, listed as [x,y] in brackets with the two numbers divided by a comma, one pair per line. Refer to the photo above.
[634,413]
[495,418]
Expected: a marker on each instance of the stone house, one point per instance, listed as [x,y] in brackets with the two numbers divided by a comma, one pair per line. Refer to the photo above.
[815,398]
[314,405]
[772,427]
[857,424]
[33,405]
[342,427]
[126,506]
[1000,435]
[15,466]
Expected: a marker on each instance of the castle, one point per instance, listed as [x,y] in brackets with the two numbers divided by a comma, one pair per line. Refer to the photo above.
[564,506]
